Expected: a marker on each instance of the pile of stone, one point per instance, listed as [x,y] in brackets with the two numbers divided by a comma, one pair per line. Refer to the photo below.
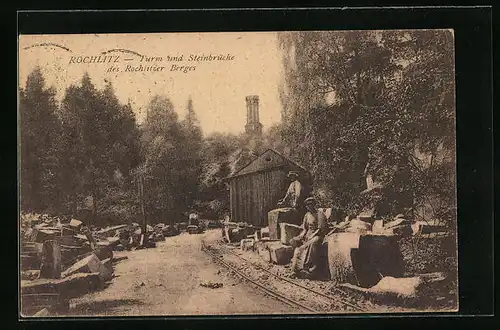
[234,232]
[61,260]
[362,250]
[131,236]
[272,243]
[364,256]
[358,250]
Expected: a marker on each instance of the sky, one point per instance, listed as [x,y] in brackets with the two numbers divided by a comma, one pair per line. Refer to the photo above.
[217,88]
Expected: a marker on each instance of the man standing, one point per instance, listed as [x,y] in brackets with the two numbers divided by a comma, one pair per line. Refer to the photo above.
[293,197]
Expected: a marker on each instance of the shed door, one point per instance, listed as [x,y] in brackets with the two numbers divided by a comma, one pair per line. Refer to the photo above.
[267,190]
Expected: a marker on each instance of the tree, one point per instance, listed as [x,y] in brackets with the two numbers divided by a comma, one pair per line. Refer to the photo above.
[39,146]
[382,99]
[217,157]
[190,157]
[163,160]
[101,146]
[118,200]
[330,81]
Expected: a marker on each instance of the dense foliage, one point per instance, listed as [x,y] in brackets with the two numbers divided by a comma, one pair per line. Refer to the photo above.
[354,104]
[84,157]
[379,103]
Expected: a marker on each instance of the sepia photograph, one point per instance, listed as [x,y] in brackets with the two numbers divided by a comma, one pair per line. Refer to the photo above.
[237,173]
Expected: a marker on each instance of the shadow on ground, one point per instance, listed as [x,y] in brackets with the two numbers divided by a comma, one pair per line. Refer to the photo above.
[98,307]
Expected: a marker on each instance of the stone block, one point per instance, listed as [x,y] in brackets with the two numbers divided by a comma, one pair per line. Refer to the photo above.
[68,231]
[247,244]
[263,251]
[378,226]
[289,231]
[275,217]
[340,265]
[106,271]
[264,233]
[90,264]
[75,224]
[103,250]
[43,235]
[70,241]
[51,260]
[280,254]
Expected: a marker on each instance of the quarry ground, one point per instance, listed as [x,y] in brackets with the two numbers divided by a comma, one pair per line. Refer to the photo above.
[166,281]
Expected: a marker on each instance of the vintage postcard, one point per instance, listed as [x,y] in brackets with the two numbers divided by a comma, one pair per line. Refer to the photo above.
[237,173]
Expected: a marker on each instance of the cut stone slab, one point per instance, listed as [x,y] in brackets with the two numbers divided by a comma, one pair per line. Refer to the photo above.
[103,250]
[404,290]
[68,231]
[339,256]
[289,231]
[43,235]
[257,235]
[275,217]
[378,226]
[263,251]
[377,256]
[235,234]
[280,254]
[41,313]
[76,224]
[56,294]
[90,264]
[265,255]
[51,260]
[264,233]
[73,240]
[106,272]
[71,286]
[81,237]
[247,244]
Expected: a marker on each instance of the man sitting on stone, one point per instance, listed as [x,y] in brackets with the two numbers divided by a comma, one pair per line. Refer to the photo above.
[307,244]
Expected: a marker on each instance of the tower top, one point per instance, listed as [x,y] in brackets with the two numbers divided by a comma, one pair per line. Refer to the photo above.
[253,126]
[252,97]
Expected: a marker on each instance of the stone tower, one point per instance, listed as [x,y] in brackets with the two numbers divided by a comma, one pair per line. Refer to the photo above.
[253,126]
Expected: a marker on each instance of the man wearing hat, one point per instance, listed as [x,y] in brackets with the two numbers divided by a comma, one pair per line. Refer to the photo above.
[293,197]
[307,244]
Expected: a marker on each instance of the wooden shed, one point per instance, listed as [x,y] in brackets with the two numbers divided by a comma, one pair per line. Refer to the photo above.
[256,188]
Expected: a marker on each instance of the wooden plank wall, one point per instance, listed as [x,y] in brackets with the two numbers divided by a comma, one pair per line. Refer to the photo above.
[254,195]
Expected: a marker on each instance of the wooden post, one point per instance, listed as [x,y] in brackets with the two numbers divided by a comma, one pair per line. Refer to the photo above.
[144,222]
[140,188]
[51,260]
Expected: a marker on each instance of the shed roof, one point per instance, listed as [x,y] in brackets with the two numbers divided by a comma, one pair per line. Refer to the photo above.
[269,159]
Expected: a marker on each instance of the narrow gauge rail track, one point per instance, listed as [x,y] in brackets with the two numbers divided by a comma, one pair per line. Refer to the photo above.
[262,287]
[333,298]
[330,297]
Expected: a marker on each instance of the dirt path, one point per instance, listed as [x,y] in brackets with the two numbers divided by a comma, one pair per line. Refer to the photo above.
[166,281]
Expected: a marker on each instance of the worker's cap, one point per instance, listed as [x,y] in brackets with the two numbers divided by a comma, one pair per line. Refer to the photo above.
[310,200]
[293,174]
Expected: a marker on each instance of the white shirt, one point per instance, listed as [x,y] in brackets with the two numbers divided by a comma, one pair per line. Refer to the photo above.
[293,193]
